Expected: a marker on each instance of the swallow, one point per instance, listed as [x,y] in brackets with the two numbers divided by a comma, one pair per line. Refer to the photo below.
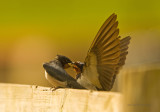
[105,57]
[57,76]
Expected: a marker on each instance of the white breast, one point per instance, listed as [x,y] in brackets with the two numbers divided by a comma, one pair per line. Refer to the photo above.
[54,82]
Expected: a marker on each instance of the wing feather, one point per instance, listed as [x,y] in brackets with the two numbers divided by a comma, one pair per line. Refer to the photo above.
[124,47]
[106,55]
[103,28]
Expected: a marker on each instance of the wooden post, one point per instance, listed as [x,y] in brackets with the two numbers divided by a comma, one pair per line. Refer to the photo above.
[140,92]
[141,89]
[27,98]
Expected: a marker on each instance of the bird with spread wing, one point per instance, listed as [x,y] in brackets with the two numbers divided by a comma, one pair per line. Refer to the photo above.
[105,57]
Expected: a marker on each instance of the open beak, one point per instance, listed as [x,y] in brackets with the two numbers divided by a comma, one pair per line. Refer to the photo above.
[68,65]
[71,64]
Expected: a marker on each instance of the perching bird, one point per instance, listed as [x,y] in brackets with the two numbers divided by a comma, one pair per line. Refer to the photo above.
[105,57]
[57,76]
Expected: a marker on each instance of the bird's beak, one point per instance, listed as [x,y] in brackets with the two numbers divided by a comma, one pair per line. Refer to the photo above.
[70,64]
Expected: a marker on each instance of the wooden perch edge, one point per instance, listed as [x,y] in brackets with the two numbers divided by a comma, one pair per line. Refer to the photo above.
[15,98]
[139,87]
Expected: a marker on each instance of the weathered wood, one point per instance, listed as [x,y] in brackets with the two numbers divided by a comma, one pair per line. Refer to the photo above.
[26,98]
[139,86]
[141,89]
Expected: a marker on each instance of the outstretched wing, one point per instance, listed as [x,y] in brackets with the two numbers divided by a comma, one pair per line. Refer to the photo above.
[106,55]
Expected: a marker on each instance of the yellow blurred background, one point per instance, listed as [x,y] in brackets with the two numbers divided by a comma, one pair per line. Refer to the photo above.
[34,31]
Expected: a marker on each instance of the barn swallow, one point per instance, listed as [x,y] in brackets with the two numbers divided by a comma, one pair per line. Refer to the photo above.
[57,76]
[105,57]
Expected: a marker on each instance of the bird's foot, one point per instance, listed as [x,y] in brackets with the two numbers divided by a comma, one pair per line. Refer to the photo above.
[54,88]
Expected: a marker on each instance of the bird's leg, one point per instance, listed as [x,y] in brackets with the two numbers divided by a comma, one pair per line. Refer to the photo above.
[54,88]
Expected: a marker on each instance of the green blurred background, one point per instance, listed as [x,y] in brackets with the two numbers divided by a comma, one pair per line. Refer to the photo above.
[34,31]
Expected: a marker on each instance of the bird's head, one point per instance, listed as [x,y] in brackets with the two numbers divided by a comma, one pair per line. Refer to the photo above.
[64,61]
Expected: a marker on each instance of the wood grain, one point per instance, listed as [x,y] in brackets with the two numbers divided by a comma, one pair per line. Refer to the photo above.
[139,92]
[141,88]
[27,98]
